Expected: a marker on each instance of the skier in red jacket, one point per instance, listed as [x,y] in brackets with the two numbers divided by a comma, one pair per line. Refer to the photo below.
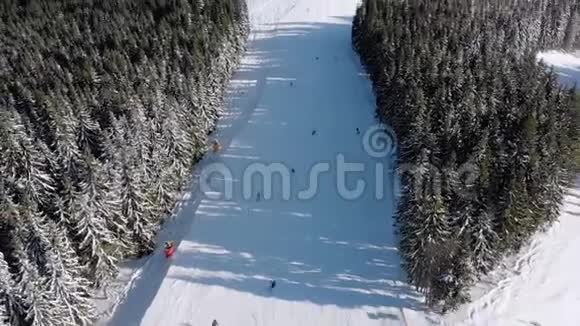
[169,249]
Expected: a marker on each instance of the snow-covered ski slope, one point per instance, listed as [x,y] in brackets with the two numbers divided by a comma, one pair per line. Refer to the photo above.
[297,100]
[540,286]
[335,260]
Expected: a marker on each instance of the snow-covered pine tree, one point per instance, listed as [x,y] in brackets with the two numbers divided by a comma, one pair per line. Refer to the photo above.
[66,282]
[482,242]
[434,233]
[135,207]
[176,141]
[9,303]
[107,187]
[42,309]
[135,127]
[170,158]
[25,278]
[33,181]
[91,210]
[420,122]
[410,241]
[4,304]
[88,229]
[136,210]
[12,255]
[517,222]
[87,130]
[451,278]
[64,126]
[37,244]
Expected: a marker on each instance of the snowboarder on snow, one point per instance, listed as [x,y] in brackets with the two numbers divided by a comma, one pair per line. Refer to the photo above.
[169,249]
[272,284]
[216,147]
[214,323]
[313,132]
[357,131]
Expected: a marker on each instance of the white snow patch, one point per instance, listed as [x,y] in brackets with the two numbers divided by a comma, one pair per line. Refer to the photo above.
[560,59]
[566,65]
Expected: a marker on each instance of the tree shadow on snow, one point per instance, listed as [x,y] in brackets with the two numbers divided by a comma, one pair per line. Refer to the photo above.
[382,315]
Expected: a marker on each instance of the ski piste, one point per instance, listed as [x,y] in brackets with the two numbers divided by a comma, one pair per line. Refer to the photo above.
[298,98]
[301,98]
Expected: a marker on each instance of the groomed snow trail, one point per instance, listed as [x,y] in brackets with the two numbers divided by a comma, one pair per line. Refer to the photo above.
[297,100]
[335,261]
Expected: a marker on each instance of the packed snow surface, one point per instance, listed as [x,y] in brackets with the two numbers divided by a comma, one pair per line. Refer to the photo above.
[297,100]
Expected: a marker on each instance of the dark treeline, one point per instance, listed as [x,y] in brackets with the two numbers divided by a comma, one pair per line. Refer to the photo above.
[104,108]
[486,133]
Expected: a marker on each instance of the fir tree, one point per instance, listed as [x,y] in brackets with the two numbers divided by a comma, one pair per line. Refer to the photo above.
[9,301]
[66,282]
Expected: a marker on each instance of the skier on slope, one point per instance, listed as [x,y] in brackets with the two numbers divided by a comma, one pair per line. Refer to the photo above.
[169,249]
[216,146]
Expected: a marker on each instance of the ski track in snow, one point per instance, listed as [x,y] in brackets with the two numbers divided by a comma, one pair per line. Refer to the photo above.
[335,261]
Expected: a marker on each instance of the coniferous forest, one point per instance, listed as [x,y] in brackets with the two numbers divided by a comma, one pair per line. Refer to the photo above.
[460,84]
[104,108]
